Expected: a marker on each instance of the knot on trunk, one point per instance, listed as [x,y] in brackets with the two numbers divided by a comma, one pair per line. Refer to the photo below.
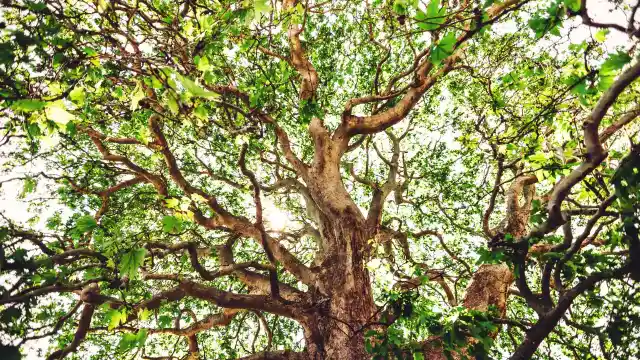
[489,286]
[90,294]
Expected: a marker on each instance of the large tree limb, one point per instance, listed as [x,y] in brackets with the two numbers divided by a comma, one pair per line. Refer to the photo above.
[548,321]
[224,218]
[257,281]
[276,355]
[595,153]
[353,124]
[298,58]
[273,274]
[81,331]
[238,301]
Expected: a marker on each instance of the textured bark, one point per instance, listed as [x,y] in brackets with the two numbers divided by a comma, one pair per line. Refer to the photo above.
[349,301]
[345,308]
[489,286]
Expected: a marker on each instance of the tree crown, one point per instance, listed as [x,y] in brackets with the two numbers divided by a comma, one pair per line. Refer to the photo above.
[295,180]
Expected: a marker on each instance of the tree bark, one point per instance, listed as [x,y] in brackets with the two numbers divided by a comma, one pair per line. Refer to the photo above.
[345,309]
[347,303]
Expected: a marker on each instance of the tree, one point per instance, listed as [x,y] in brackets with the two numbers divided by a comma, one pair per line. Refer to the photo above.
[320,180]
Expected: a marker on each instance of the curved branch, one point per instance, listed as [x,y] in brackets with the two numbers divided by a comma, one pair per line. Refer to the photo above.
[81,331]
[298,59]
[352,125]
[273,274]
[595,153]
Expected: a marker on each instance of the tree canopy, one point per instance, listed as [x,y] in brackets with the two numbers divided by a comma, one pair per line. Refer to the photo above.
[379,179]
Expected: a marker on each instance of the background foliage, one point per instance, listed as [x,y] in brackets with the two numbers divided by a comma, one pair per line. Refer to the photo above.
[80,79]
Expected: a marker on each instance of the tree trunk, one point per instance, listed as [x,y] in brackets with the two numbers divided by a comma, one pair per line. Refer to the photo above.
[345,306]
[335,328]
[345,310]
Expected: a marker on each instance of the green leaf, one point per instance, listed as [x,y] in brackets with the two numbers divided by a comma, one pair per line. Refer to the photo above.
[131,261]
[36,6]
[615,61]
[56,113]
[574,5]
[28,186]
[115,318]
[172,203]
[368,347]
[103,5]
[490,256]
[444,48]
[71,128]
[129,341]
[433,17]
[605,82]
[171,224]
[156,83]
[144,314]
[543,24]
[136,96]
[141,337]
[580,87]
[601,35]
[201,112]
[77,95]
[33,129]
[195,89]
[538,157]
[86,223]
[172,103]
[203,64]
[400,7]
[164,321]
[89,51]
[434,10]
[260,7]
[93,55]
[28,105]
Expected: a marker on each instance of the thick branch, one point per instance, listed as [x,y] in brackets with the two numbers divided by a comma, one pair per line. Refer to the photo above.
[352,124]
[298,59]
[595,153]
